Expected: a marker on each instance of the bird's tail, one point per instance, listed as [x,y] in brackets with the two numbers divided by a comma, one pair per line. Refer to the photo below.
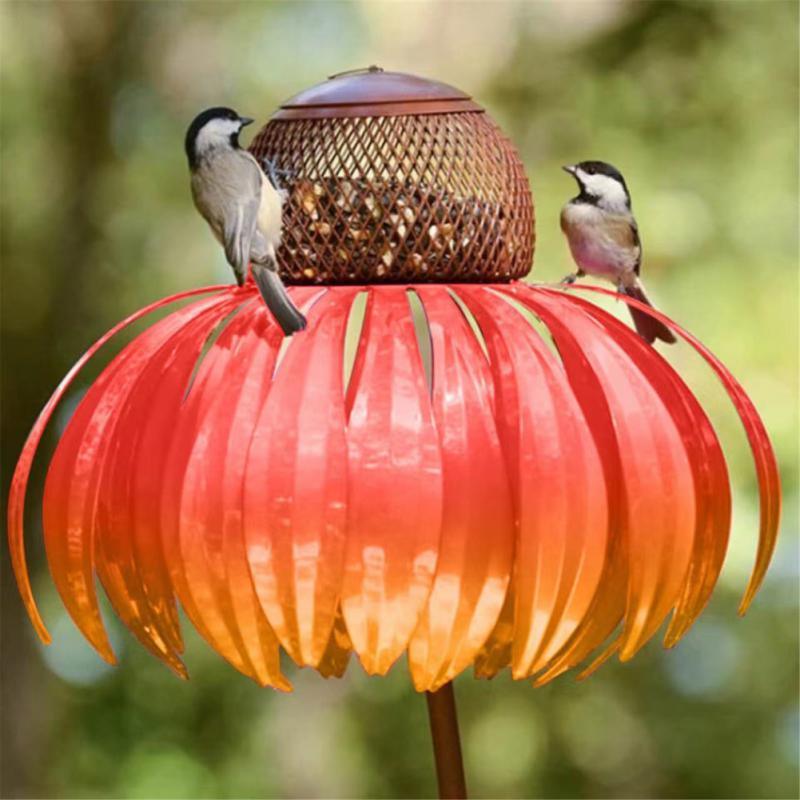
[648,327]
[277,300]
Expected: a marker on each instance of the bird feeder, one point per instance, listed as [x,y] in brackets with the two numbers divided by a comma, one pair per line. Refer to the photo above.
[463,494]
[397,179]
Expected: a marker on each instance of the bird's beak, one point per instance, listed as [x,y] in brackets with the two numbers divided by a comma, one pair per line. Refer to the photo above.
[245,121]
[571,168]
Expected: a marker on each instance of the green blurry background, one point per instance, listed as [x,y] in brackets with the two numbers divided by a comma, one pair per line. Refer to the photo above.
[696,103]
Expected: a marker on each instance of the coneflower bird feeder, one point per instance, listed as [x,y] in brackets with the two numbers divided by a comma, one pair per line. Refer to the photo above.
[467,495]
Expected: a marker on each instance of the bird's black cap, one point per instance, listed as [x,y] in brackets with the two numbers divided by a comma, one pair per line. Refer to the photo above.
[218,112]
[601,168]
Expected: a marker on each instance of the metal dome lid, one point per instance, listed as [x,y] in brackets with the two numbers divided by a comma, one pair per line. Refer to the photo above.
[373,92]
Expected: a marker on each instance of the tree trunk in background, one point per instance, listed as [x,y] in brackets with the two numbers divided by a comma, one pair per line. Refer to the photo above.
[99,55]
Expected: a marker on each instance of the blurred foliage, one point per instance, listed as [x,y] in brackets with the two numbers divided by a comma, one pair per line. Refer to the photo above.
[696,102]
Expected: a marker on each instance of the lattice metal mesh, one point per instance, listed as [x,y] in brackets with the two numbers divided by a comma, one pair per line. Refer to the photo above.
[429,198]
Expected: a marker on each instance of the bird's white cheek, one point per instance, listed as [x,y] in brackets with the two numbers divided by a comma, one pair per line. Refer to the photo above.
[216,133]
[609,191]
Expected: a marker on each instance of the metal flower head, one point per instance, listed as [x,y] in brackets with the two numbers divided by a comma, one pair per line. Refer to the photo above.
[465,494]
[517,507]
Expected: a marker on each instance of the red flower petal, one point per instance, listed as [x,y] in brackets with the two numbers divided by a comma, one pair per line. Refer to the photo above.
[656,470]
[477,538]
[247,400]
[607,606]
[127,539]
[563,533]
[211,571]
[769,483]
[71,488]
[205,390]
[209,526]
[395,480]
[709,471]
[295,499]
[19,481]
[337,655]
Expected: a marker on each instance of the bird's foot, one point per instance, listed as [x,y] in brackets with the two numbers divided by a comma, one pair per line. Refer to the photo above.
[568,280]
[276,173]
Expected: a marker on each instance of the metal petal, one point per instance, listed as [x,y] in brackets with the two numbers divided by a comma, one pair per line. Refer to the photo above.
[560,493]
[19,481]
[73,479]
[130,560]
[607,607]
[709,471]
[657,474]
[210,565]
[295,496]
[477,539]
[395,480]
[769,483]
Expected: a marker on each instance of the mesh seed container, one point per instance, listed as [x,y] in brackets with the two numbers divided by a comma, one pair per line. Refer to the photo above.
[393,179]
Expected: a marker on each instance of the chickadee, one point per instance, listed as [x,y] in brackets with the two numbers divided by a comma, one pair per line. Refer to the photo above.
[604,238]
[242,207]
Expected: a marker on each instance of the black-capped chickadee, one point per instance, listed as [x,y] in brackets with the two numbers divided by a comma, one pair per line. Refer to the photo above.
[241,205]
[604,238]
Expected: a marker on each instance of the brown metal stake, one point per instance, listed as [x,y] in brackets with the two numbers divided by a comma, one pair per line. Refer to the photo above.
[446,743]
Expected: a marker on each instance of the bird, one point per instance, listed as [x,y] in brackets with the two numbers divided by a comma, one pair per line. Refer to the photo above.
[241,205]
[604,239]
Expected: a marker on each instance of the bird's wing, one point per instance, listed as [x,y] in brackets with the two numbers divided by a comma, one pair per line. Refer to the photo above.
[270,213]
[638,243]
[239,233]
[236,193]
[623,231]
